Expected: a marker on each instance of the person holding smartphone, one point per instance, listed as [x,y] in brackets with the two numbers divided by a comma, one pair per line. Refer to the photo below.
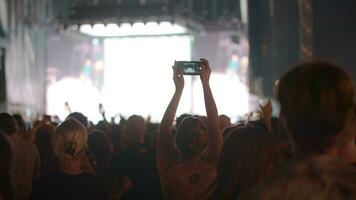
[198,144]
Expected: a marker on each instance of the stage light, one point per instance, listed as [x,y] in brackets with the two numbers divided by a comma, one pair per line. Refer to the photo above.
[99,29]
[137,29]
[85,28]
[112,27]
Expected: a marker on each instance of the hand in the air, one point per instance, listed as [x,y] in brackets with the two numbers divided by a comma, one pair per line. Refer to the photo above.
[178,78]
[206,71]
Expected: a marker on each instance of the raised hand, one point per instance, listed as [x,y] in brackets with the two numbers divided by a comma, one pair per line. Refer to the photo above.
[206,71]
[266,109]
[178,78]
[266,114]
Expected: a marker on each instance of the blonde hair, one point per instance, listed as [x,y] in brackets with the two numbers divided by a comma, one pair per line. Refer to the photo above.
[70,140]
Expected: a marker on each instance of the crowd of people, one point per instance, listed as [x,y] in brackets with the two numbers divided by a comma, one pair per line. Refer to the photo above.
[308,152]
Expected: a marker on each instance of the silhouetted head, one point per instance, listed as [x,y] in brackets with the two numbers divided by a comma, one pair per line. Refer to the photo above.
[135,129]
[191,137]
[317,103]
[43,136]
[20,122]
[180,119]
[224,121]
[80,117]
[100,146]
[8,124]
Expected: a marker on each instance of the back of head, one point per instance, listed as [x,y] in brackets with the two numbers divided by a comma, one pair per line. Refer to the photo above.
[100,146]
[20,122]
[224,121]
[316,98]
[135,129]
[191,137]
[43,139]
[8,124]
[247,158]
[181,118]
[69,140]
[80,117]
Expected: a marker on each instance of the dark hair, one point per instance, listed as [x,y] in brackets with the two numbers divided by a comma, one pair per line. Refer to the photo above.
[8,124]
[185,136]
[80,117]
[315,99]
[133,133]
[6,181]
[20,122]
[247,158]
[99,145]
[181,118]
[43,136]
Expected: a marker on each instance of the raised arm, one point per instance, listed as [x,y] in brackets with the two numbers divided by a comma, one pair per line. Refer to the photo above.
[215,136]
[266,114]
[165,139]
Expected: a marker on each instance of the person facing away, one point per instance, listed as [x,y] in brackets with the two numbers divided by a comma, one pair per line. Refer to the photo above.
[6,175]
[317,107]
[101,148]
[69,180]
[43,136]
[135,168]
[199,145]
[224,121]
[248,157]
[26,159]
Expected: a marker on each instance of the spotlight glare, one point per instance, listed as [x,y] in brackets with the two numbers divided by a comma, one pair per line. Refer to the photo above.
[137,29]
[85,28]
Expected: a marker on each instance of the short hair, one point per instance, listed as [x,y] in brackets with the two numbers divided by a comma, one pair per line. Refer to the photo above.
[8,124]
[185,135]
[133,133]
[315,99]
[80,117]
[69,139]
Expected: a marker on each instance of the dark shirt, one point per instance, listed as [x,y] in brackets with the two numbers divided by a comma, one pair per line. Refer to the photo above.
[57,185]
[139,165]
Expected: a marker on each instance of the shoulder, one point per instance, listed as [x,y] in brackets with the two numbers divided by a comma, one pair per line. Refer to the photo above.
[318,178]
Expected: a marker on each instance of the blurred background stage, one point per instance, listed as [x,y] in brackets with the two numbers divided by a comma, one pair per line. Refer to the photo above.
[119,52]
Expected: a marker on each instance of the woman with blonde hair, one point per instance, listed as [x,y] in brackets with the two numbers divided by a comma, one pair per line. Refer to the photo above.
[71,179]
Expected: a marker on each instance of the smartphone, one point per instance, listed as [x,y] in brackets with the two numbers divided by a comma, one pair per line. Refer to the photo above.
[190,67]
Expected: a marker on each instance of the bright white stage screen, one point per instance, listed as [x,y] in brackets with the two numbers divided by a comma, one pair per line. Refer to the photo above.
[134,76]
[138,75]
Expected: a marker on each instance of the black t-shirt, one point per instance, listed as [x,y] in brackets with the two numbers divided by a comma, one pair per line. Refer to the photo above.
[139,165]
[57,185]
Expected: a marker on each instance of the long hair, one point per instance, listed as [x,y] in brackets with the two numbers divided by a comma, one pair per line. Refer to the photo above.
[70,140]
[6,179]
[246,159]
